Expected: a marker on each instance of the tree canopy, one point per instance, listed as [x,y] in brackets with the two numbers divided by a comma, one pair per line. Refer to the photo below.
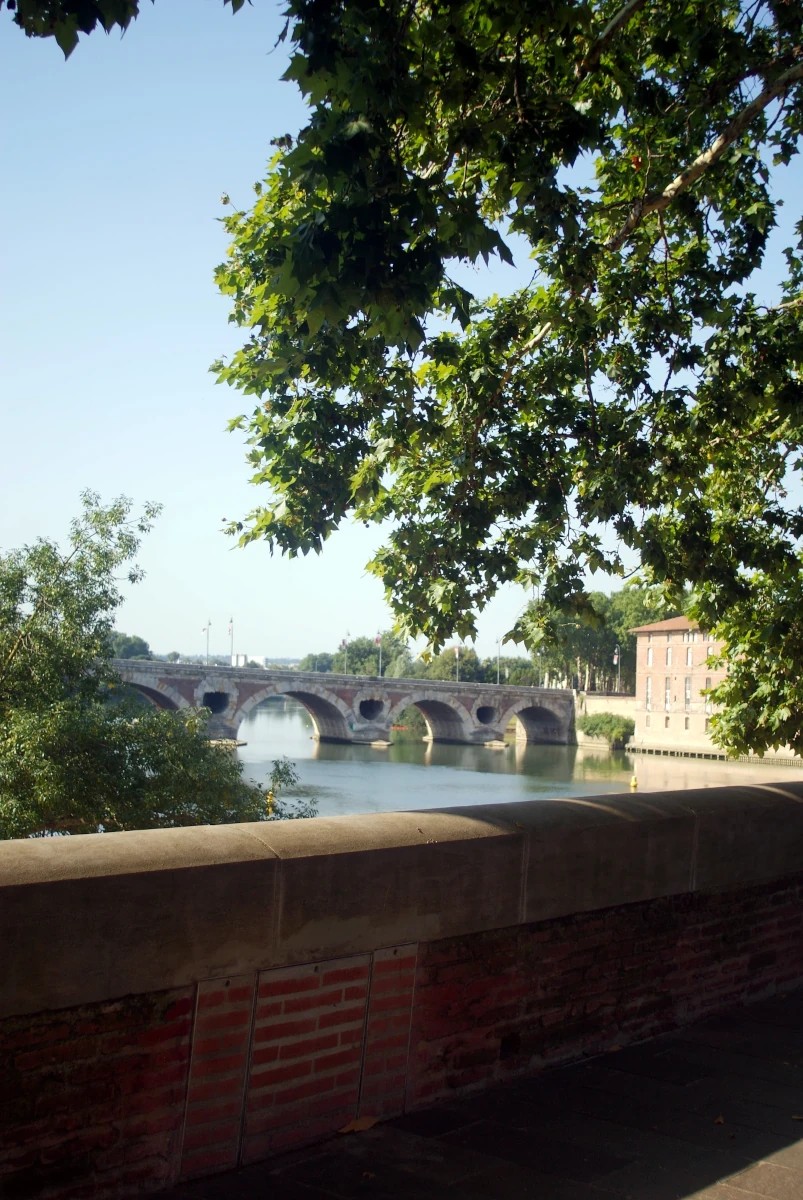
[598,652]
[634,395]
[638,397]
[128,645]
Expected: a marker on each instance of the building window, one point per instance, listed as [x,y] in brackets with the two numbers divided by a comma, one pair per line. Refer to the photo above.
[666,722]
[648,695]
[647,720]
[689,656]
[667,693]
[649,656]
[707,724]
[685,722]
[687,693]
[669,656]
[708,705]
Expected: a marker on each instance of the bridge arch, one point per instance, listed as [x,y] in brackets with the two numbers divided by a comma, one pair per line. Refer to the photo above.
[160,695]
[331,718]
[446,722]
[540,723]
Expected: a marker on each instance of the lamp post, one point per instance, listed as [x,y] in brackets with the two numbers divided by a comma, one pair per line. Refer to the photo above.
[378,642]
[617,663]
[206,631]
[457,663]
[231,635]
[498,653]
[344,646]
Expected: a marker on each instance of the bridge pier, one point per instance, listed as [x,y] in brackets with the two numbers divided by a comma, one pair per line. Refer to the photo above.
[222,731]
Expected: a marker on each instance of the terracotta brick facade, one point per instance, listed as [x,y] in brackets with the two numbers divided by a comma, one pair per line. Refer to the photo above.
[672,675]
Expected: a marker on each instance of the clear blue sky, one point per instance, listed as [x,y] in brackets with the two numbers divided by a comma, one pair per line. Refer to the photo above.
[113,165]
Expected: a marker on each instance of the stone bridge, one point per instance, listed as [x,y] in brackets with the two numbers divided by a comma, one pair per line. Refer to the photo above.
[357,708]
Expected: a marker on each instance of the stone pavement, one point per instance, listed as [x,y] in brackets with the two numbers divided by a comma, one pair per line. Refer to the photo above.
[712,1112]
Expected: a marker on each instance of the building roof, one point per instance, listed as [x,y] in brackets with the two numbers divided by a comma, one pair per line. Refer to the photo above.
[672,623]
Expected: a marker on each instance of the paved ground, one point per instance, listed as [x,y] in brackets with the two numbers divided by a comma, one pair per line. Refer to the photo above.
[714,1112]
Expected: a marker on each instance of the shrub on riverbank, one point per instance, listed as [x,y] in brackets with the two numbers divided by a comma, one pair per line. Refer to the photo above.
[615,730]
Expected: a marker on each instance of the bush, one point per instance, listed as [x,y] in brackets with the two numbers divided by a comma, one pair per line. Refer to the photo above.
[284,775]
[614,729]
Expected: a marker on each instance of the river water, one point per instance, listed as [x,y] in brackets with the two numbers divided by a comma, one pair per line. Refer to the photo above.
[409,775]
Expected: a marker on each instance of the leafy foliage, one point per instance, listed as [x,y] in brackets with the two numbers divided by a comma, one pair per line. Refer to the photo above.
[596,650]
[316,662]
[357,656]
[80,766]
[284,776]
[614,729]
[762,694]
[64,20]
[71,760]
[456,662]
[636,394]
[127,645]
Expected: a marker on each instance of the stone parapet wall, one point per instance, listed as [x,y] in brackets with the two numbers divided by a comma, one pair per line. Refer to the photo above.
[176,1003]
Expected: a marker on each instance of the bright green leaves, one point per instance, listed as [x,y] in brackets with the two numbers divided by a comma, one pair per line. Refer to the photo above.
[78,754]
[631,399]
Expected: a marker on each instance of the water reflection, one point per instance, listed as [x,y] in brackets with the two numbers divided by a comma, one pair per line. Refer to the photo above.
[413,774]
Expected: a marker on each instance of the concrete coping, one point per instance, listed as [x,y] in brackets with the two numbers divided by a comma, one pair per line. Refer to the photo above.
[95,917]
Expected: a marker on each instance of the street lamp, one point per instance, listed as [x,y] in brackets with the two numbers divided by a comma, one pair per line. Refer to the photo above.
[344,646]
[498,652]
[231,635]
[206,631]
[457,662]
[378,642]
[617,663]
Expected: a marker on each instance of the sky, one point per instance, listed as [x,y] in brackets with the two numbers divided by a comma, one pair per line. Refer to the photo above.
[112,168]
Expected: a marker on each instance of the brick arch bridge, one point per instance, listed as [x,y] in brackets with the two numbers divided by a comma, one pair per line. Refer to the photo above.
[357,708]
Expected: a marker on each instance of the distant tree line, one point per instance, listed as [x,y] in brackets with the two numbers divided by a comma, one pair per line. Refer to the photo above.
[596,653]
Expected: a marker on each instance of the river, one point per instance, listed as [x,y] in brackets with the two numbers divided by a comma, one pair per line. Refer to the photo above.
[409,775]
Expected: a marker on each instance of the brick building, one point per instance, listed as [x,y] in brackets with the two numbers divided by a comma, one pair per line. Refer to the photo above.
[672,675]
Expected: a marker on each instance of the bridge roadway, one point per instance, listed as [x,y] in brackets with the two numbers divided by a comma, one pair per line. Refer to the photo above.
[357,708]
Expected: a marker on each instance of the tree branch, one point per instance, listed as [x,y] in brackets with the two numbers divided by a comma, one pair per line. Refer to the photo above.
[658,201]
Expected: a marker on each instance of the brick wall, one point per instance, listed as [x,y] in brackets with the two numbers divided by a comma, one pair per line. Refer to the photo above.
[176,1003]
[119,1098]
[514,1001]
[91,1098]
